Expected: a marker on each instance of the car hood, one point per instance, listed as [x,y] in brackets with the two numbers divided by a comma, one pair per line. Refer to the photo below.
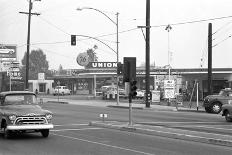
[213,96]
[23,110]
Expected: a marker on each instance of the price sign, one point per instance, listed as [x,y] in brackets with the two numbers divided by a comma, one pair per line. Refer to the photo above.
[83,59]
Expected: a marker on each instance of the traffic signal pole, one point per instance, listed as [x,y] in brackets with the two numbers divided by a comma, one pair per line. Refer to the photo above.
[147,53]
[210,59]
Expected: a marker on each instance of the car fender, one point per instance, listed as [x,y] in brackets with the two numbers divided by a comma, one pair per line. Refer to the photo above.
[215,100]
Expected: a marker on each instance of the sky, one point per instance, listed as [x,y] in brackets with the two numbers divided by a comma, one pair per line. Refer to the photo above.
[187,44]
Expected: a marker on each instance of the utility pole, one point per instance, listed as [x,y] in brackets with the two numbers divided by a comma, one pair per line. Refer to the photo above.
[210,59]
[147,53]
[28,41]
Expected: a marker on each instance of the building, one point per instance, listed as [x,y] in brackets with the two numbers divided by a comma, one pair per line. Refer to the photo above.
[89,81]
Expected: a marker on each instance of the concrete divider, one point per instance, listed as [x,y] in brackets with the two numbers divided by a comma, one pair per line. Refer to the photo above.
[210,138]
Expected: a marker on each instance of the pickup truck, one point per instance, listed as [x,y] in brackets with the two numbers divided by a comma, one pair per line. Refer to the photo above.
[20,112]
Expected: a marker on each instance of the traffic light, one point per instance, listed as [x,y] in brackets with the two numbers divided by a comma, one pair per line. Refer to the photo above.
[133,88]
[129,69]
[73,40]
[119,68]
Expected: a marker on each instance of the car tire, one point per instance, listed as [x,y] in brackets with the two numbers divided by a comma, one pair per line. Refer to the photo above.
[216,107]
[6,133]
[45,133]
[207,109]
[227,118]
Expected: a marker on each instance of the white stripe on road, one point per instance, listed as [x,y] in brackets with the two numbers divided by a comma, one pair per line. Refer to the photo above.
[177,122]
[107,145]
[71,125]
[76,129]
[210,127]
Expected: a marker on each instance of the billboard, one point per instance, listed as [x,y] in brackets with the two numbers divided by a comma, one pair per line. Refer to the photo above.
[7,53]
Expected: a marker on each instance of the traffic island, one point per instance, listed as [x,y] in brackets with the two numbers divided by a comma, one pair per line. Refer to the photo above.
[59,102]
[203,137]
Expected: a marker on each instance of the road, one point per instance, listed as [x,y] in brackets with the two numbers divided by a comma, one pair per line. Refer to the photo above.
[73,135]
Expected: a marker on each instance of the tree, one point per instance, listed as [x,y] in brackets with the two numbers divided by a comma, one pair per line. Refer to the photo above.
[61,71]
[92,55]
[37,64]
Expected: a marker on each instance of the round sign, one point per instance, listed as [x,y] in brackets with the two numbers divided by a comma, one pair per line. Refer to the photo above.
[83,59]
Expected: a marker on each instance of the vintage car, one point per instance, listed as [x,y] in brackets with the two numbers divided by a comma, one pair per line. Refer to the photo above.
[213,103]
[227,111]
[20,112]
[61,90]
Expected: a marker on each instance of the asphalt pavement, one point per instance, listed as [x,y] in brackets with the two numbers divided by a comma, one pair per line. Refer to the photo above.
[149,129]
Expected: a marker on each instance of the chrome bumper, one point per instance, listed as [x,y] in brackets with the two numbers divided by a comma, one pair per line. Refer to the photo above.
[30,127]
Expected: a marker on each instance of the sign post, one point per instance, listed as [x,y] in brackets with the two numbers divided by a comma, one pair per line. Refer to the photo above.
[169,89]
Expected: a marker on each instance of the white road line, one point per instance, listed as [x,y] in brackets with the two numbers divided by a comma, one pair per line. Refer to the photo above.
[177,122]
[76,129]
[107,145]
[71,124]
[210,127]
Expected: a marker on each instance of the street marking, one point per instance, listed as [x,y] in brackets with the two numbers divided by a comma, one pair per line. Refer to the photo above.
[107,145]
[178,122]
[188,135]
[210,127]
[72,125]
[76,129]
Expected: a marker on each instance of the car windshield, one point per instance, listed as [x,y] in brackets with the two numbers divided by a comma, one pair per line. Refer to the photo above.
[222,92]
[24,99]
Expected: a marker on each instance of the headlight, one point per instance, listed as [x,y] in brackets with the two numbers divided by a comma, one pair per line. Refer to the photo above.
[206,99]
[12,117]
[49,116]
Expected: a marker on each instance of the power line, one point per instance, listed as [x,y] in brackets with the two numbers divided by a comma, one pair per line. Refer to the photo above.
[193,21]
[222,27]
[222,41]
[54,26]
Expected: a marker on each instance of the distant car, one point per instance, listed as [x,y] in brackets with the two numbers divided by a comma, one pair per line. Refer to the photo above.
[61,90]
[122,92]
[227,111]
[213,103]
[20,113]
[140,94]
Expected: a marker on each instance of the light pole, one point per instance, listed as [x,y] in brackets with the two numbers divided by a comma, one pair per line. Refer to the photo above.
[168,28]
[116,23]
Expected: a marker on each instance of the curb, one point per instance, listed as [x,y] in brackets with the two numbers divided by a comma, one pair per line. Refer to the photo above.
[160,133]
[59,102]
[124,107]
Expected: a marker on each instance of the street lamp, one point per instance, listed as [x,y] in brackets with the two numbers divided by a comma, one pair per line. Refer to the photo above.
[168,28]
[115,23]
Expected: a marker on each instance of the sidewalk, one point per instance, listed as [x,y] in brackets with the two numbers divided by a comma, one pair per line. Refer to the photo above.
[161,106]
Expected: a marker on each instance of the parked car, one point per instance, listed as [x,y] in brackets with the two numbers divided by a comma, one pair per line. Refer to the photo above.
[213,103]
[227,111]
[61,90]
[20,112]
[140,94]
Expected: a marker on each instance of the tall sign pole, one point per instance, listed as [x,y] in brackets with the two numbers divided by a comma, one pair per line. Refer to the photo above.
[147,53]
[210,59]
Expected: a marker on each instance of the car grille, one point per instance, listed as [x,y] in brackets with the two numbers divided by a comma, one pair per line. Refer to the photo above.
[30,120]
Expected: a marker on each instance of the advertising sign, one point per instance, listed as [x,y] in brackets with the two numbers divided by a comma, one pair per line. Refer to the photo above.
[8,53]
[169,89]
[155,96]
[103,64]
[83,59]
